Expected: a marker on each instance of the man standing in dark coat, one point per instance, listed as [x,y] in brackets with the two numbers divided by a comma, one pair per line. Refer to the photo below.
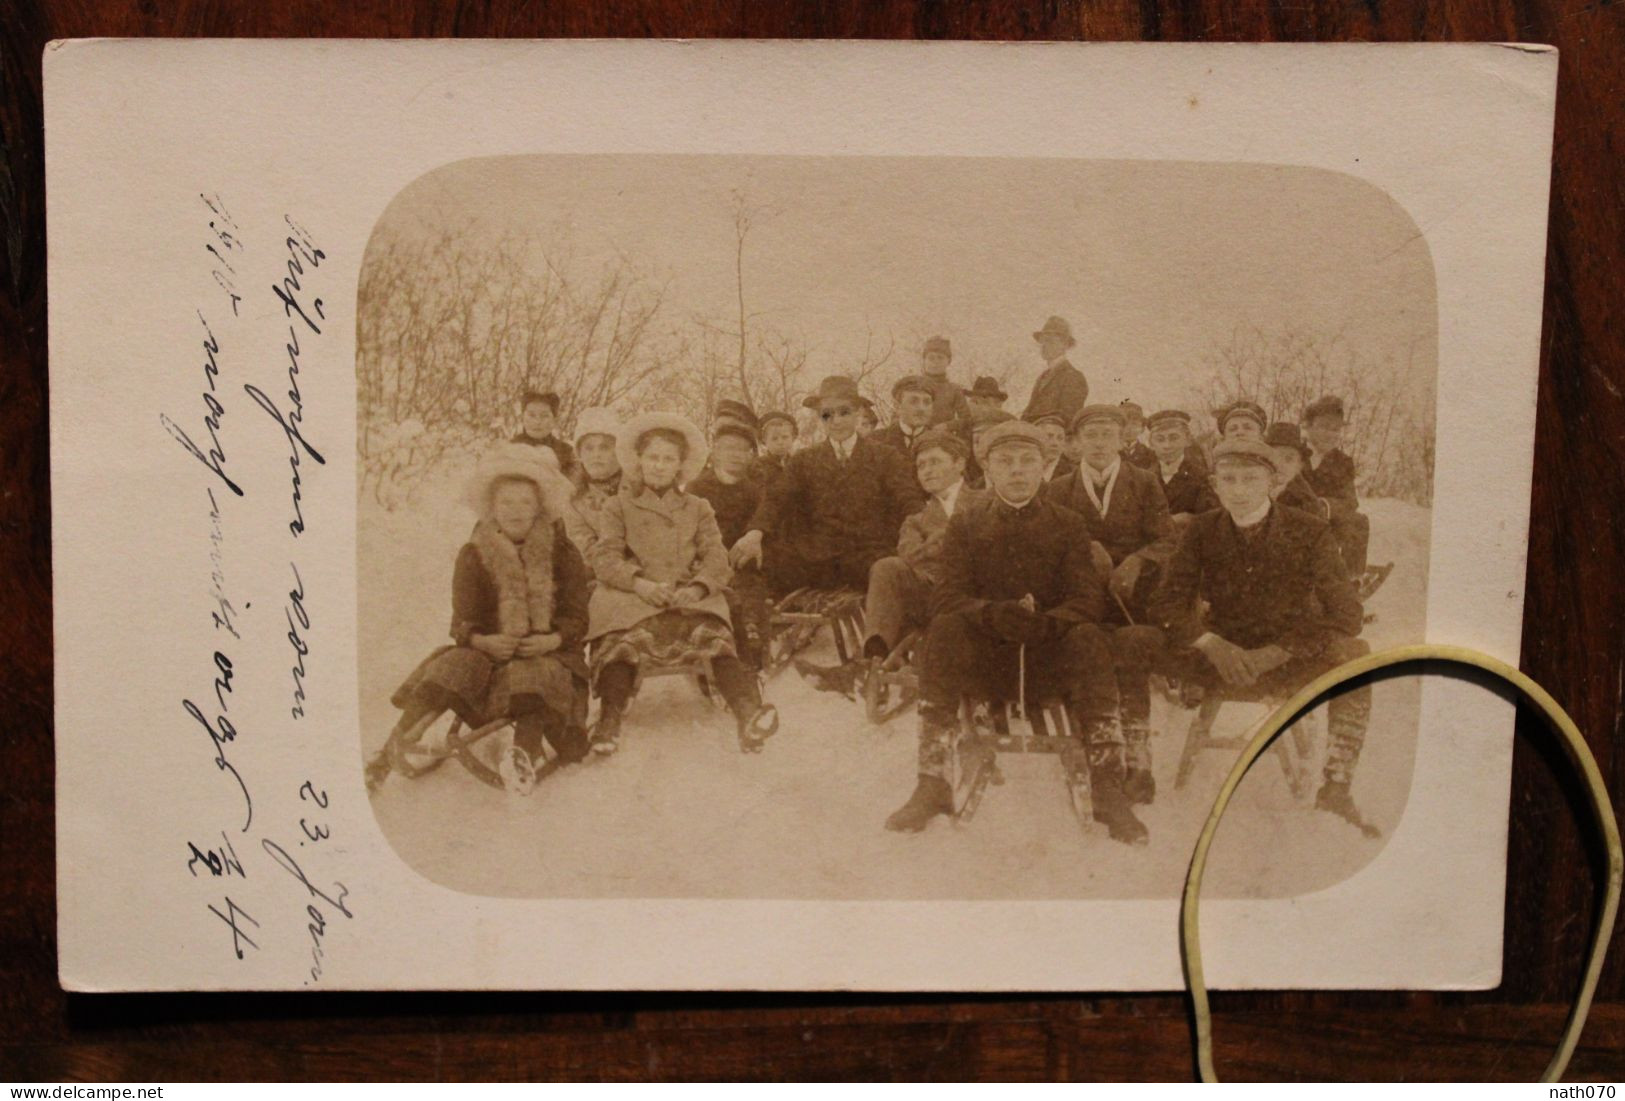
[1180,467]
[1132,537]
[913,399]
[1061,388]
[538,417]
[1280,608]
[947,398]
[1017,588]
[843,500]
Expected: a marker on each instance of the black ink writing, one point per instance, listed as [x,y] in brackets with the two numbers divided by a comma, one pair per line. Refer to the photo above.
[238,937]
[298,620]
[215,457]
[221,732]
[217,862]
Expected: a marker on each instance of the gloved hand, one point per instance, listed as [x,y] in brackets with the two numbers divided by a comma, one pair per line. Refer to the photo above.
[1015,622]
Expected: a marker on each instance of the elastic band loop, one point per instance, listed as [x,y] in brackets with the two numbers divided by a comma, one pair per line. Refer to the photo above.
[1578,753]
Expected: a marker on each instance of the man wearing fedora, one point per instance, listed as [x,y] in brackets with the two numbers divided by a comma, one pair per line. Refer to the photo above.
[914,399]
[947,398]
[1018,597]
[986,393]
[1061,388]
[842,500]
[1131,536]
[1256,597]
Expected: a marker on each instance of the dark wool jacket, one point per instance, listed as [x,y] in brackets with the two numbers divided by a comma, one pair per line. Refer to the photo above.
[1188,490]
[948,400]
[1136,518]
[994,552]
[1060,389]
[474,599]
[565,453]
[836,508]
[1334,478]
[1298,494]
[734,504]
[1286,586]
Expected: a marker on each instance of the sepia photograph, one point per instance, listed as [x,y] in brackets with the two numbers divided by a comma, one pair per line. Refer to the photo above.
[872,528]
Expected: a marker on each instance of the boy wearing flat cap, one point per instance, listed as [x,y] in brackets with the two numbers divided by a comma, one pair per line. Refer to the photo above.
[1131,537]
[1134,449]
[1057,463]
[947,398]
[1180,467]
[1280,607]
[1018,589]
[1245,420]
[1331,473]
[1061,388]
[914,400]
[837,507]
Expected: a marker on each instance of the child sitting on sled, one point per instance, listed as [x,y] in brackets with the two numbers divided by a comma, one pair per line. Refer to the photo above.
[662,571]
[519,614]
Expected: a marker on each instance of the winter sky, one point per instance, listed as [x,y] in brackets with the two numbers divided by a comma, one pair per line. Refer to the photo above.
[1154,263]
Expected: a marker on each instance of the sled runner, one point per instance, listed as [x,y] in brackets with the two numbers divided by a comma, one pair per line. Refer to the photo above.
[986,731]
[1296,749]
[797,619]
[414,749]
[892,685]
[1371,580]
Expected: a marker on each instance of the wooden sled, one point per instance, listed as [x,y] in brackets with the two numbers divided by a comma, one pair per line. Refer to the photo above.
[412,750]
[986,732]
[1297,748]
[892,685]
[797,619]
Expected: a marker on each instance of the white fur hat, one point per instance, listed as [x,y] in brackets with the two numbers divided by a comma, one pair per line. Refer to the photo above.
[596,421]
[537,465]
[627,442]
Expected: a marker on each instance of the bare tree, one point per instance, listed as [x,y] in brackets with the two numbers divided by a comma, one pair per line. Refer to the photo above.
[1390,423]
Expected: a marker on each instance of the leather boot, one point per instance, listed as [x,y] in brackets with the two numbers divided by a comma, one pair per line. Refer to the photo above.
[606,733]
[1138,783]
[1111,803]
[932,796]
[1334,798]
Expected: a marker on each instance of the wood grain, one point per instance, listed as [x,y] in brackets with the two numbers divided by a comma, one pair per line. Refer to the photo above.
[1574,644]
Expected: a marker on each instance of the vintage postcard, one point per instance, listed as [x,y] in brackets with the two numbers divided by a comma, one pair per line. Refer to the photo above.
[783,515]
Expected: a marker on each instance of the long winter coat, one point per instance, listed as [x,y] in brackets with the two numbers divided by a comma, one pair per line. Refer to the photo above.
[669,539]
[834,508]
[1060,389]
[584,518]
[994,552]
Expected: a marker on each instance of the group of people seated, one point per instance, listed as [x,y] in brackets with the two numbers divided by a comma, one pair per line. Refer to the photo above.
[1055,556]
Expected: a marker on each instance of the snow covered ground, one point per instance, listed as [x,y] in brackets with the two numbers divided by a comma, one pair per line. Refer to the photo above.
[680,812]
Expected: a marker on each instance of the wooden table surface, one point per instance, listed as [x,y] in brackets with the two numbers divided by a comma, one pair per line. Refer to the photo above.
[1574,643]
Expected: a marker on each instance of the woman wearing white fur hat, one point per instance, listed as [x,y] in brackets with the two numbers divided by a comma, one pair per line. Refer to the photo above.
[661,570]
[519,616]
